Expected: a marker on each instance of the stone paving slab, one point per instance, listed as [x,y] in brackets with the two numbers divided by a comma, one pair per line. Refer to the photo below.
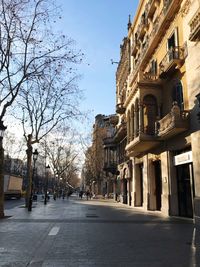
[112,236]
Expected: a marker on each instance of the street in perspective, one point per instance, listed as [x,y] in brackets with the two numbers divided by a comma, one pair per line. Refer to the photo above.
[99,133]
[77,232]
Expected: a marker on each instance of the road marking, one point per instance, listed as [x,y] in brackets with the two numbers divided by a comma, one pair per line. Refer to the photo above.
[54,231]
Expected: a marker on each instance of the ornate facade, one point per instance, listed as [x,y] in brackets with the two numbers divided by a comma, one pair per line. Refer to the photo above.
[157,81]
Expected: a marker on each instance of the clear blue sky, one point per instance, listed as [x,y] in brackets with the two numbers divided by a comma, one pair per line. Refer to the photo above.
[98,27]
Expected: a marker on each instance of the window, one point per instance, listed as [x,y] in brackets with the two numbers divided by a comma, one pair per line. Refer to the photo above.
[153,68]
[178,94]
[172,45]
[150,111]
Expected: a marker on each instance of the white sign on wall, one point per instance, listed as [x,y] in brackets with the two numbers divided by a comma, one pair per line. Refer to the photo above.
[183,158]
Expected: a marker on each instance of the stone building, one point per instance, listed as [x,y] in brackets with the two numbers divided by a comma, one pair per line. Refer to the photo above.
[157,83]
[97,168]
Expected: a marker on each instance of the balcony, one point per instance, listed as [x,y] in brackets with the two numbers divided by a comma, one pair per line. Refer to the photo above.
[120,109]
[108,142]
[135,47]
[141,78]
[160,27]
[141,144]
[172,60]
[173,123]
[151,7]
[143,26]
[195,27]
[121,132]
[110,167]
[114,120]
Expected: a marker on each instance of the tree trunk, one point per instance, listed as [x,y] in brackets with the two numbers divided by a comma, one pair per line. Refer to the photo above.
[1,179]
[29,152]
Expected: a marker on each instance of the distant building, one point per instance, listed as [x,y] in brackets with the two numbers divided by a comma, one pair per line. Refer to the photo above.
[13,166]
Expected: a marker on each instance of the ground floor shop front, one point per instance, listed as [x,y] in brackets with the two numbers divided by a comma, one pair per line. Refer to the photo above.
[162,182]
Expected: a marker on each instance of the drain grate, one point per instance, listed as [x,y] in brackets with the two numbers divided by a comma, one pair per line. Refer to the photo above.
[92,216]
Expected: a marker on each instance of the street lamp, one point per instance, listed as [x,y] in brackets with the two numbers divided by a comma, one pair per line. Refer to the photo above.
[35,157]
[2,130]
[46,185]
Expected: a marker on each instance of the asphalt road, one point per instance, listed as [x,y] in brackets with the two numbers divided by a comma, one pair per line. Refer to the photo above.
[81,233]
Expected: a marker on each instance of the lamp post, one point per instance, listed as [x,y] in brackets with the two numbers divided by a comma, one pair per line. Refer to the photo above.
[2,130]
[46,184]
[56,184]
[35,157]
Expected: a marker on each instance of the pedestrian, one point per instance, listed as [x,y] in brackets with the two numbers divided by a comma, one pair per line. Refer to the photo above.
[81,194]
[88,194]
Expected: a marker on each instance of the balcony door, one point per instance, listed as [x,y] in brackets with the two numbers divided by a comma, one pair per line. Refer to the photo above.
[178,94]
[150,114]
[172,43]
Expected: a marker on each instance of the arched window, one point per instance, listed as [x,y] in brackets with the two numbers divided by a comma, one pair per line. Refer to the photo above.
[178,94]
[150,111]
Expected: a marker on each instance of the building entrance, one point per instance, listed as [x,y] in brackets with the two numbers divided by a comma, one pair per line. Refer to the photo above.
[125,191]
[158,184]
[185,191]
[138,185]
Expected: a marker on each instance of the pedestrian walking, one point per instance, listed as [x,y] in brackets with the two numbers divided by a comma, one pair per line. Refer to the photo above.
[88,194]
[54,195]
[81,194]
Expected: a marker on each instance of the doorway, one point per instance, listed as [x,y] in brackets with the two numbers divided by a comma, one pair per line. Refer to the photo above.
[158,183]
[125,191]
[138,185]
[185,191]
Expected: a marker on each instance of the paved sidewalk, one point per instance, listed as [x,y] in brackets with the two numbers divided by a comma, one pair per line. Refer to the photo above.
[95,233]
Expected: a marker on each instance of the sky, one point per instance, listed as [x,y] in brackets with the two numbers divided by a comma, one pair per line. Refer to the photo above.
[98,27]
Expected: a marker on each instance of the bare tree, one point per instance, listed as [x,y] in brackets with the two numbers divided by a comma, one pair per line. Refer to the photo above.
[51,101]
[28,50]
[63,157]
[14,146]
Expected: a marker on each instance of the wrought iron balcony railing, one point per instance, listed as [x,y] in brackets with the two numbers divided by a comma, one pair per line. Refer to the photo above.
[160,26]
[174,57]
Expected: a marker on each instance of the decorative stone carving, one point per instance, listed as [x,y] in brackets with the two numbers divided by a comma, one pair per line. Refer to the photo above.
[186,7]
